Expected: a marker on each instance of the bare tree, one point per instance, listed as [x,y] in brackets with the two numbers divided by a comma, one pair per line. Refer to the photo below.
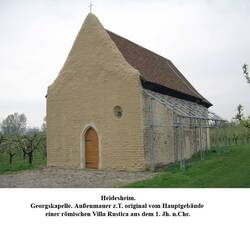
[43,145]
[1,139]
[32,130]
[239,115]
[44,125]
[28,144]
[9,147]
[245,72]
[14,124]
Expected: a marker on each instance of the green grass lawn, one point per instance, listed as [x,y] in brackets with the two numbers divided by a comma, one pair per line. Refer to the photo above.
[19,163]
[230,170]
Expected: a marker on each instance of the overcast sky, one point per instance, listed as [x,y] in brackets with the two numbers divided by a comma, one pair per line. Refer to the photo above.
[207,40]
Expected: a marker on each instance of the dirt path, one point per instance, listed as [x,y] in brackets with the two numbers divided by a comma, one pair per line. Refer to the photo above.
[69,178]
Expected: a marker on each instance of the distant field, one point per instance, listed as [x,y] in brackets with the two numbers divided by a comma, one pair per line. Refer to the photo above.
[19,163]
[230,170]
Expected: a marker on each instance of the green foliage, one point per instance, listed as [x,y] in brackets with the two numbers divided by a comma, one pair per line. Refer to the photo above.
[230,170]
[236,134]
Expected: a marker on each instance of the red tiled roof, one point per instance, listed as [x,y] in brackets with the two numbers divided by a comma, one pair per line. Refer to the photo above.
[155,68]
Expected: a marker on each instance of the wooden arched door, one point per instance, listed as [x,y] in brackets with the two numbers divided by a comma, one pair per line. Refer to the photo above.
[91,149]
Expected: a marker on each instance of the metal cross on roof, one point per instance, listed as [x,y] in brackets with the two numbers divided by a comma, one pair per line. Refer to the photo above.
[90,6]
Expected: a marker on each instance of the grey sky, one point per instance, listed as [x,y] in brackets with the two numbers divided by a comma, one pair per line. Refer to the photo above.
[207,40]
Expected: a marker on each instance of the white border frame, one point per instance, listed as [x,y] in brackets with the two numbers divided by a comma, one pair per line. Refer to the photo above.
[82,145]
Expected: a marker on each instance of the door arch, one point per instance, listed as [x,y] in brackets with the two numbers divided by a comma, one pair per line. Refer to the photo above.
[91,149]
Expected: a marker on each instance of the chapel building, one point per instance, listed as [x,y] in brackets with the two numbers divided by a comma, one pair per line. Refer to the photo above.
[117,105]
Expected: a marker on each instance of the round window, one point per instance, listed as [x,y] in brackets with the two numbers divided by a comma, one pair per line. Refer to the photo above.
[118,111]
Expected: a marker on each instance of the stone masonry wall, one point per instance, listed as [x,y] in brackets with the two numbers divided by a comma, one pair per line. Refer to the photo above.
[165,135]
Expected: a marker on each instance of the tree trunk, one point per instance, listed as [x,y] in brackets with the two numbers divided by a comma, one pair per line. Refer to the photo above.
[24,156]
[44,154]
[11,158]
[30,158]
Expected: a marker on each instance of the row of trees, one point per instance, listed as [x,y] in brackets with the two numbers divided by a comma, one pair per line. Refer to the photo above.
[240,124]
[15,138]
[239,117]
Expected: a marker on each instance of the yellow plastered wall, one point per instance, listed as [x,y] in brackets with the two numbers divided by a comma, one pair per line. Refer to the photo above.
[94,79]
